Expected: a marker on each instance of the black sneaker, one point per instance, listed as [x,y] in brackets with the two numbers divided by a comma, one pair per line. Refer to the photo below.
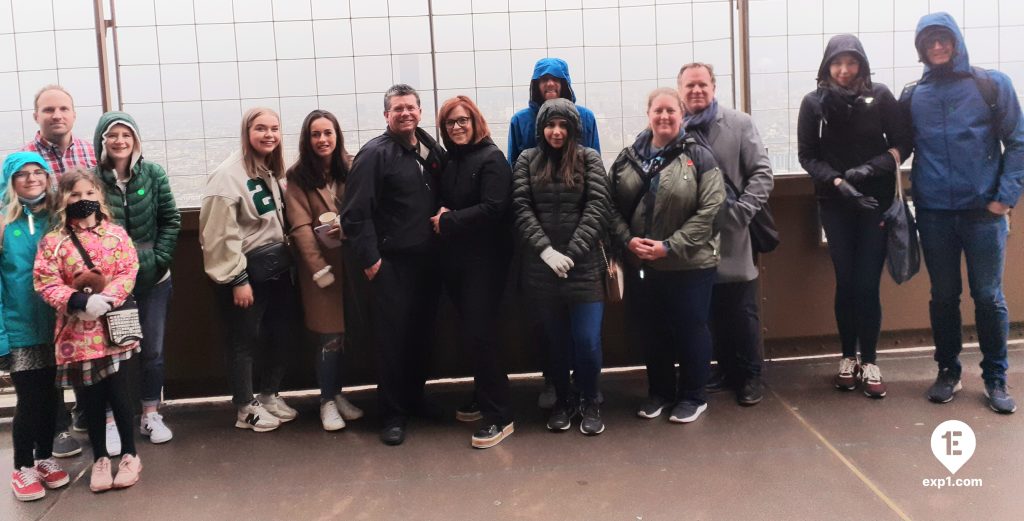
[78,421]
[752,391]
[998,399]
[561,416]
[65,446]
[718,381]
[687,411]
[469,412]
[591,424]
[393,432]
[945,386]
[492,435]
[652,407]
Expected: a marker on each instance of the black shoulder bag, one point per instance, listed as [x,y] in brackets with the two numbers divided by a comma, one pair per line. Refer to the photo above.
[123,324]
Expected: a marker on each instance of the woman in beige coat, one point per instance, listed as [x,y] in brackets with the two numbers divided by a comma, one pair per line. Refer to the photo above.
[315,182]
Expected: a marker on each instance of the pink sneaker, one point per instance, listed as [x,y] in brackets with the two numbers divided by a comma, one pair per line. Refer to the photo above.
[101,479]
[51,474]
[26,485]
[128,471]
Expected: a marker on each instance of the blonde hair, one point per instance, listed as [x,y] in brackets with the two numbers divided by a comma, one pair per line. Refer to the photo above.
[274,162]
[66,185]
[13,206]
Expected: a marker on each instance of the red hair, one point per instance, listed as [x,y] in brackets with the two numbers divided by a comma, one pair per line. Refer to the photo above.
[480,130]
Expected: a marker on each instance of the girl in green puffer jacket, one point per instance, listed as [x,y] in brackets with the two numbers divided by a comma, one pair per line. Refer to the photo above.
[139,196]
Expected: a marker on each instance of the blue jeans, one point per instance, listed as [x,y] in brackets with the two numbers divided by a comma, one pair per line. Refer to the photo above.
[573,334]
[329,347]
[153,315]
[981,237]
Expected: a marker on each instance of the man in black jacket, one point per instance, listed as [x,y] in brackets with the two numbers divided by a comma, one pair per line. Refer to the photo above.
[390,196]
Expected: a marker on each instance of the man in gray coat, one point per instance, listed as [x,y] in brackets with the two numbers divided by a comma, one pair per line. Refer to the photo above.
[736,144]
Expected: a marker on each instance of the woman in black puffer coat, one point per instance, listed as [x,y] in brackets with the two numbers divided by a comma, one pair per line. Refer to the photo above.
[851,138]
[476,243]
[560,201]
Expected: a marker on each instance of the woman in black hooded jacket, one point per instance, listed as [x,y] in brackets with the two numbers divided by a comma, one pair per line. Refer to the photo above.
[852,138]
[560,201]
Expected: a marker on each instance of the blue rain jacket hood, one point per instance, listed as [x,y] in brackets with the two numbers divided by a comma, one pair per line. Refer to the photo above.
[961,161]
[522,131]
[15,161]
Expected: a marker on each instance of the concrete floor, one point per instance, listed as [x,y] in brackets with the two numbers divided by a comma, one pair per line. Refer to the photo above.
[806,452]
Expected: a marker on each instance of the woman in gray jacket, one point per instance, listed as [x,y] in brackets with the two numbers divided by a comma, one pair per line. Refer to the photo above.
[666,191]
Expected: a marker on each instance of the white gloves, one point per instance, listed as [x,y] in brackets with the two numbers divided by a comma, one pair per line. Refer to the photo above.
[560,264]
[96,307]
[324,277]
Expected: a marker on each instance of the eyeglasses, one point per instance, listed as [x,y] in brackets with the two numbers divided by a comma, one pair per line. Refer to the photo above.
[462,122]
[941,39]
[22,174]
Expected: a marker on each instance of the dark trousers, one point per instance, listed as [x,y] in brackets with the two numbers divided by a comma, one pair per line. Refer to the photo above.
[94,400]
[475,287]
[667,312]
[856,243]
[736,330]
[275,312]
[405,294]
[573,332]
[329,347]
[34,419]
[153,315]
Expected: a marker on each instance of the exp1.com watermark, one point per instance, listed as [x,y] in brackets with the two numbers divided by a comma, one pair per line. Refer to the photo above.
[953,444]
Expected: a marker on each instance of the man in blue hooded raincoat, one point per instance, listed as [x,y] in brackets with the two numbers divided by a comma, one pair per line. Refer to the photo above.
[550,80]
[967,173]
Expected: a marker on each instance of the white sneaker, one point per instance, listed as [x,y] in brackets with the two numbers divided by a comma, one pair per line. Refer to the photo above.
[275,405]
[153,425]
[113,440]
[330,417]
[346,409]
[255,417]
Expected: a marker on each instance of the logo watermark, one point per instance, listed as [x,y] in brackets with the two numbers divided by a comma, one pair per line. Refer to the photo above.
[953,444]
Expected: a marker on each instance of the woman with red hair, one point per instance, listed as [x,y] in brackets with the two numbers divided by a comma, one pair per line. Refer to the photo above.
[474,227]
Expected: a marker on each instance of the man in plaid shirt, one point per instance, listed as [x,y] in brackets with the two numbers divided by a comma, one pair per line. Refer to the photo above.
[55,114]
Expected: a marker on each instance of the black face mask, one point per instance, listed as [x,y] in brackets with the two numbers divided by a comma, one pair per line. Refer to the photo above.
[82,209]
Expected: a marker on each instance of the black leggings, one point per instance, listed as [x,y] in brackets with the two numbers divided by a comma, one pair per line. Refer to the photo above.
[34,418]
[94,399]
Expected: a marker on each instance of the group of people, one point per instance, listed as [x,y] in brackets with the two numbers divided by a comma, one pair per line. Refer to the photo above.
[417,217]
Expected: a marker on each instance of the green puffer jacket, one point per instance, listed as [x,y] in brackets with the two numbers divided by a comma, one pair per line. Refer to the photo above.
[689,195]
[146,208]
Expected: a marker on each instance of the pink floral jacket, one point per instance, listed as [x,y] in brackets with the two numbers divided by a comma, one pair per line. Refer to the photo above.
[57,262]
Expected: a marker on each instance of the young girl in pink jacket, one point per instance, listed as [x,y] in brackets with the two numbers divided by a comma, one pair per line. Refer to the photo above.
[86,358]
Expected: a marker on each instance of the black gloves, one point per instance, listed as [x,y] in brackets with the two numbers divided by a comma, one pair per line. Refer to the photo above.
[859,173]
[858,199]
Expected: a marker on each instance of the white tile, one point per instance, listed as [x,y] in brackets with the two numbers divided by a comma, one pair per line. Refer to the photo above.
[36,51]
[335,76]
[285,10]
[605,99]
[76,48]
[637,25]
[6,24]
[371,36]
[711,21]
[180,82]
[1011,12]
[879,48]
[876,16]
[8,58]
[953,7]
[565,28]
[255,41]
[634,97]
[150,118]
[523,62]
[603,64]
[219,80]
[453,33]
[83,84]
[526,5]
[296,77]
[9,96]
[410,35]
[294,40]
[221,118]
[907,13]
[639,63]
[293,112]
[497,105]
[324,9]
[32,15]
[73,14]
[805,16]
[768,17]
[170,12]
[371,114]
[493,68]
[800,83]
[344,109]
[11,135]
[674,24]
[770,91]
[841,17]
[455,70]
[177,44]
[491,32]
[368,9]
[213,11]
[768,54]
[442,7]
[216,42]
[407,8]
[531,30]
[491,6]
[984,13]
[672,57]
[601,27]
[183,120]
[717,53]
[413,69]
[332,38]
[597,4]
[257,79]
[564,4]
[373,73]
[903,48]
[1010,49]
[576,60]
[805,53]
[253,11]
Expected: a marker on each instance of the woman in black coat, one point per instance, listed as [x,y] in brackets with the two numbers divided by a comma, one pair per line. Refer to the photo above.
[852,139]
[560,201]
[475,190]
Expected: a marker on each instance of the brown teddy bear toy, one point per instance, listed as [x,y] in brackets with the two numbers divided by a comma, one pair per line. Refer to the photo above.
[90,281]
